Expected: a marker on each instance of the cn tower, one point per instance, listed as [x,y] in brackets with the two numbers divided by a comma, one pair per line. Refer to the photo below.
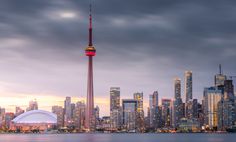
[90,51]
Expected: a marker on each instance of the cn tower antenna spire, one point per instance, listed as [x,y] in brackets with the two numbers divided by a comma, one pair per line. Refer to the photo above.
[90,26]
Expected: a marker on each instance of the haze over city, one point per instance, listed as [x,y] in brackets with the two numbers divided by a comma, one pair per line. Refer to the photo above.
[141,47]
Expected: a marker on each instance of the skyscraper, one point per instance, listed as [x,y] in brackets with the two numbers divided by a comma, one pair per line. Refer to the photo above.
[140,113]
[177,88]
[195,108]
[228,105]
[59,111]
[19,111]
[114,98]
[68,111]
[129,114]
[188,86]
[220,78]
[90,51]
[96,113]
[188,94]
[166,112]
[33,105]
[178,110]
[155,111]
[151,111]
[212,97]
[115,109]
[79,115]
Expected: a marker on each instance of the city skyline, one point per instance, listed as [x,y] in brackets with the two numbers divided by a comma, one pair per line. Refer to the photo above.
[42,49]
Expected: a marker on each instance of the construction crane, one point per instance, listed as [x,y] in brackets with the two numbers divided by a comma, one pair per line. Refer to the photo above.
[231,77]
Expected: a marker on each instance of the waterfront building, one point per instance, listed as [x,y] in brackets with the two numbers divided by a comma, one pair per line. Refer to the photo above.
[129,114]
[59,111]
[115,118]
[227,116]
[212,96]
[115,109]
[140,113]
[188,86]
[35,120]
[68,111]
[188,90]
[166,112]
[178,110]
[105,123]
[79,115]
[195,108]
[201,113]
[2,117]
[8,118]
[151,112]
[155,111]
[188,125]
[96,113]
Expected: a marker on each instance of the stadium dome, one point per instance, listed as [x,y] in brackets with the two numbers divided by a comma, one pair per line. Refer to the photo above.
[36,117]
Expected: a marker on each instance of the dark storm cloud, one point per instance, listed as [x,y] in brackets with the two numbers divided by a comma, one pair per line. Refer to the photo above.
[141,44]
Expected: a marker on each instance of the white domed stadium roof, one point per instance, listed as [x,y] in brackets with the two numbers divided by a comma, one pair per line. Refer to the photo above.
[36,116]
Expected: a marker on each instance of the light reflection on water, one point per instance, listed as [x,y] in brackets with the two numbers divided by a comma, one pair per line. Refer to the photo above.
[117,137]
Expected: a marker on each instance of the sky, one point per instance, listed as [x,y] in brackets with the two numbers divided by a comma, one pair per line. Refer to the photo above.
[142,45]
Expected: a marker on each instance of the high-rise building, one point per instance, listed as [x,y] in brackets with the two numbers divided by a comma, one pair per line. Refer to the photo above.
[33,105]
[68,110]
[19,111]
[220,78]
[227,108]
[155,111]
[79,115]
[201,113]
[188,86]
[166,112]
[59,111]
[139,98]
[212,96]
[90,51]
[9,116]
[72,109]
[151,111]
[116,119]
[2,117]
[114,98]
[129,114]
[115,109]
[188,90]
[140,113]
[189,109]
[177,88]
[195,108]
[96,113]
[178,110]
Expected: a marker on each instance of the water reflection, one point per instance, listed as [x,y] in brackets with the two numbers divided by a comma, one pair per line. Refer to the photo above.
[117,137]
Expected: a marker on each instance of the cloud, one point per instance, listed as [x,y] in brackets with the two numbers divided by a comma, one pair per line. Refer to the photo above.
[141,45]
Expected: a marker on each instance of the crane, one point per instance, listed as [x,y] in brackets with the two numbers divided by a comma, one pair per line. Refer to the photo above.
[231,77]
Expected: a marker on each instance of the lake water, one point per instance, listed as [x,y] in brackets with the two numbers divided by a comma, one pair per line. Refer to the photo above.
[118,137]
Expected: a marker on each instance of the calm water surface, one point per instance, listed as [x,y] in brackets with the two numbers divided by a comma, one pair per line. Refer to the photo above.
[117,137]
